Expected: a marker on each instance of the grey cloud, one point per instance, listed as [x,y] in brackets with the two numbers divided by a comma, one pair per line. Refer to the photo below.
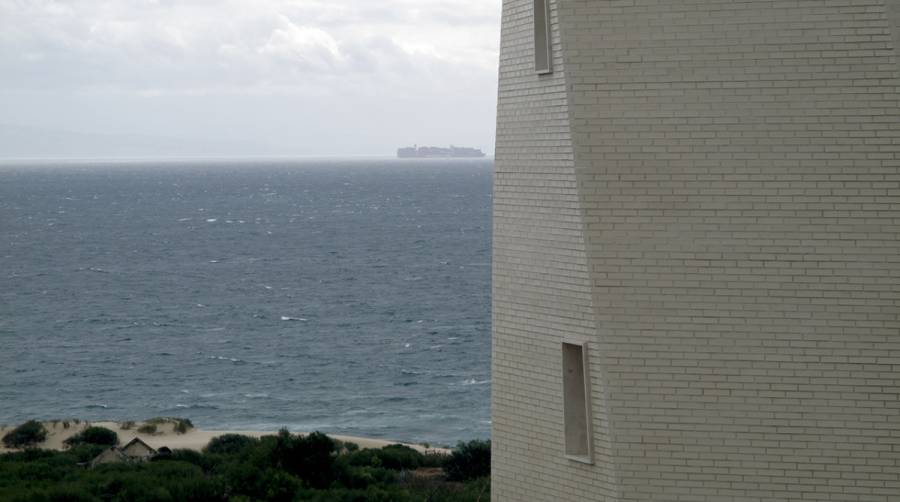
[405,58]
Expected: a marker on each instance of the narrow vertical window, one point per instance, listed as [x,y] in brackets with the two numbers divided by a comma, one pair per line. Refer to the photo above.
[576,402]
[542,36]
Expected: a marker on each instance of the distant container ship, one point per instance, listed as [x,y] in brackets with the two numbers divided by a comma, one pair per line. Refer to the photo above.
[436,152]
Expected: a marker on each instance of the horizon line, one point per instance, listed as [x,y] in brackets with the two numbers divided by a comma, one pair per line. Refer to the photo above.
[225,158]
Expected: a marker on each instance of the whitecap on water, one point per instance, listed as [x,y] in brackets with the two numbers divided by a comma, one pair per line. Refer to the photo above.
[288,318]
[473,381]
[196,407]
[211,220]
[232,359]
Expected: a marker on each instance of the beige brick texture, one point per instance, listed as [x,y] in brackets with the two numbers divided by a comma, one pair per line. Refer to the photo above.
[708,193]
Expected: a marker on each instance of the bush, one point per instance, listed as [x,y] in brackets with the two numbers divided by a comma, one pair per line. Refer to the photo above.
[147,429]
[179,425]
[434,459]
[469,461]
[187,456]
[94,435]
[395,456]
[228,444]
[26,435]
[85,452]
[310,457]
[182,425]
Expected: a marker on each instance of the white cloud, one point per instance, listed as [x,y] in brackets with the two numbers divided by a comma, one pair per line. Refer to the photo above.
[309,47]
[127,44]
[404,54]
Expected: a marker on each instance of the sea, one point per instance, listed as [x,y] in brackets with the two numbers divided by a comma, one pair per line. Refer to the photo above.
[345,296]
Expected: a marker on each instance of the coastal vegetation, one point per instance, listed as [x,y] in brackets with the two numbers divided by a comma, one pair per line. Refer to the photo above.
[469,461]
[94,435]
[281,467]
[28,434]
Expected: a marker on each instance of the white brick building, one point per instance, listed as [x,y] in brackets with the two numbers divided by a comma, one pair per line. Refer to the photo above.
[701,198]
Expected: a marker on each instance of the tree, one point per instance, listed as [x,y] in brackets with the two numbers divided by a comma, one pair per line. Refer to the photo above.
[469,461]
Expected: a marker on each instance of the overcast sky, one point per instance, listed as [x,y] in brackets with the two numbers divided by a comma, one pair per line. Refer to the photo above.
[295,77]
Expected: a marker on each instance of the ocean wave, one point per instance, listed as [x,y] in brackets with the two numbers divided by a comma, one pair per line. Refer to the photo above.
[256,395]
[473,381]
[288,318]
[97,406]
[232,359]
[196,407]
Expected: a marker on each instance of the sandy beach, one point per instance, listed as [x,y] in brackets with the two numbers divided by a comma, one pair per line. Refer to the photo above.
[165,435]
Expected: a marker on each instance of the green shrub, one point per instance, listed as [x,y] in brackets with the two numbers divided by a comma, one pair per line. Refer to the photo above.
[59,494]
[179,425]
[185,455]
[85,452]
[147,429]
[434,459]
[395,456]
[26,435]
[182,425]
[469,461]
[228,444]
[310,457]
[360,477]
[94,435]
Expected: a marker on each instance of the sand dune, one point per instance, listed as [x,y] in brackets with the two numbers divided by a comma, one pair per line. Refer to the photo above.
[165,435]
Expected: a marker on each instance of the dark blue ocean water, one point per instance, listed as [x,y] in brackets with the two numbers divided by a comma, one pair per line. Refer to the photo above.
[344,296]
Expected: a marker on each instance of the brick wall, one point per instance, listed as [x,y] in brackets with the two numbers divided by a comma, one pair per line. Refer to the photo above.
[541,291]
[709,192]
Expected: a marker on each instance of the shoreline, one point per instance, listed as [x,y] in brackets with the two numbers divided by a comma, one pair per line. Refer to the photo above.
[192,439]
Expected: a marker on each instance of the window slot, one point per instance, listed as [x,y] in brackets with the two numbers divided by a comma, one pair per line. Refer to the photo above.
[542,63]
[576,402]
